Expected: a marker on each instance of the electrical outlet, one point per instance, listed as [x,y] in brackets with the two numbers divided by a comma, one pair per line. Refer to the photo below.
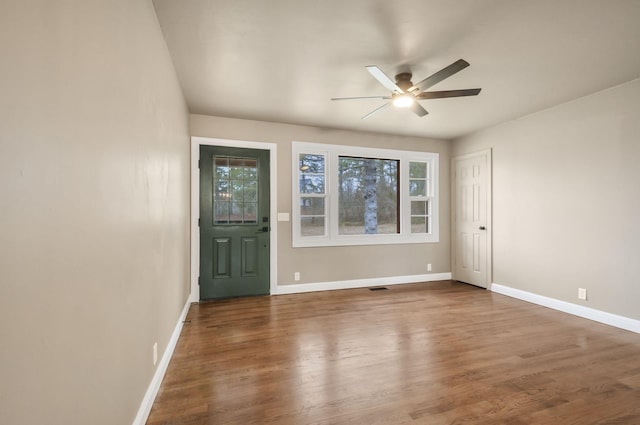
[429,267]
[582,293]
[296,276]
[155,353]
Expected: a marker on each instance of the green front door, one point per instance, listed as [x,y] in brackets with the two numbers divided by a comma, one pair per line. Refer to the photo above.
[234,222]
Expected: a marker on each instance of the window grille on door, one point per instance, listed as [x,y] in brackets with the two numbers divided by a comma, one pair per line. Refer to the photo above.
[235,183]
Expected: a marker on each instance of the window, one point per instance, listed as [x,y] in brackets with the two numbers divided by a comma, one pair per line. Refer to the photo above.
[419,188]
[345,195]
[236,190]
[368,196]
[312,194]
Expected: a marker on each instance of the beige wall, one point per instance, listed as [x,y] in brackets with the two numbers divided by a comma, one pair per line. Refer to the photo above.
[566,200]
[94,195]
[330,264]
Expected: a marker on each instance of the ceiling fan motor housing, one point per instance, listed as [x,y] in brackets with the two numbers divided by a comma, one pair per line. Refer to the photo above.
[403,80]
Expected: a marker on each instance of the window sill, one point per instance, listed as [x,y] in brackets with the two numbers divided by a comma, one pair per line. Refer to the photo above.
[311,242]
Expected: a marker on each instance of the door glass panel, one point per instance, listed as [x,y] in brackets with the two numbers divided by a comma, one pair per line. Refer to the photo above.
[222,190]
[236,190]
[250,212]
[250,169]
[250,191]
[236,168]
[221,212]
[221,168]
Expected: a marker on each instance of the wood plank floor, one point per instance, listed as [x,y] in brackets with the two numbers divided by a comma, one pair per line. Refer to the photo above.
[430,353]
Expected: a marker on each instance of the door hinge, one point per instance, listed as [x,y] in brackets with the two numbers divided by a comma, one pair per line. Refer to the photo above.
[198,280]
[198,222]
[198,163]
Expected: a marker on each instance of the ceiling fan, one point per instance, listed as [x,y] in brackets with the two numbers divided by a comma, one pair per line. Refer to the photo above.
[405,94]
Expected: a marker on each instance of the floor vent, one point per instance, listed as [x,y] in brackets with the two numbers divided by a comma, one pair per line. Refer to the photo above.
[379,288]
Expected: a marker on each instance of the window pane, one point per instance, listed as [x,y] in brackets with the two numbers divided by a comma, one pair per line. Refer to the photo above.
[418,170]
[236,168]
[250,169]
[368,196]
[353,226]
[250,213]
[311,206]
[310,183]
[251,191]
[235,188]
[312,177]
[221,168]
[235,213]
[221,212]
[312,226]
[418,207]
[222,190]
[419,224]
[310,163]
[417,188]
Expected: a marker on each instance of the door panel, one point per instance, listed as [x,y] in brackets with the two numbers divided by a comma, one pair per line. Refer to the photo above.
[221,258]
[234,222]
[249,256]
[472,182]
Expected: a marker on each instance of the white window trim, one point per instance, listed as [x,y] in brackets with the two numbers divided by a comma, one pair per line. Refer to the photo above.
[332,237]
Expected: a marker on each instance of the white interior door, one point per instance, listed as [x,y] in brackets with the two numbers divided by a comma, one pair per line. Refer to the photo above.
[472,218]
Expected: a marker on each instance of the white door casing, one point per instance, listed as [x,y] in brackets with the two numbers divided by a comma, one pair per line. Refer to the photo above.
[195,207]
[471,218]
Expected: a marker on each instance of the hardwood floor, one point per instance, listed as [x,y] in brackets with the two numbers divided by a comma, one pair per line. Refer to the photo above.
[430,353]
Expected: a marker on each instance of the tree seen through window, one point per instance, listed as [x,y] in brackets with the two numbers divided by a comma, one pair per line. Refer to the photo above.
[368,196]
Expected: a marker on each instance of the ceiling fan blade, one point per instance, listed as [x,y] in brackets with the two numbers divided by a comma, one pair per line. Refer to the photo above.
[383,79]
[447,93]
[446,72]
[418,109]
[376,110]
[361,97]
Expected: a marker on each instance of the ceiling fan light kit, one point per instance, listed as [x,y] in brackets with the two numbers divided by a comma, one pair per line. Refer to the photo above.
[402,100]
[404,94]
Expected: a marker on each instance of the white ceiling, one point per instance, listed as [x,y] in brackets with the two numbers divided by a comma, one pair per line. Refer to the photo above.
[282,60]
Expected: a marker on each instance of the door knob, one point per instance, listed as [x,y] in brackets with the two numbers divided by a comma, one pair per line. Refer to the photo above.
[482,228]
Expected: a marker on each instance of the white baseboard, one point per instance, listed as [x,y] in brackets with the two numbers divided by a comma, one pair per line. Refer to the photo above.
[575,309]
[154,386]
[358,283]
